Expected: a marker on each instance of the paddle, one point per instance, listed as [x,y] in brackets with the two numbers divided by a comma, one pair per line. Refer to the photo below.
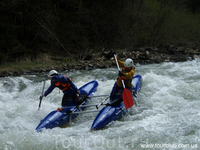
[126,95]
[42,94]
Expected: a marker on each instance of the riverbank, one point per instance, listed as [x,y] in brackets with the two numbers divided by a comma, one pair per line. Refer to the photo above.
[142,55]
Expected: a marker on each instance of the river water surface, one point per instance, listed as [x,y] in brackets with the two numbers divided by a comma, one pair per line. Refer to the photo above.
[167,115]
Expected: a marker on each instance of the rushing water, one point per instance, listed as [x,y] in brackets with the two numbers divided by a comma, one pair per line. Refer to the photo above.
[167,115]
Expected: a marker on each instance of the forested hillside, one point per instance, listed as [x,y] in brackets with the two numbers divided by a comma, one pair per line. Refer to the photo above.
[69,27]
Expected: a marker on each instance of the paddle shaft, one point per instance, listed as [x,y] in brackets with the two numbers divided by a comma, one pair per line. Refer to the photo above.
[119,70]
[42,94]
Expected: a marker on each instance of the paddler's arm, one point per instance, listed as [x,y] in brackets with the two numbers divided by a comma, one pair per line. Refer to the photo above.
[49,90]
[121,63]
[130,74]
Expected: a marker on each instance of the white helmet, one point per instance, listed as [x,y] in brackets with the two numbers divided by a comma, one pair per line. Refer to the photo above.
[53,72]
[128,63]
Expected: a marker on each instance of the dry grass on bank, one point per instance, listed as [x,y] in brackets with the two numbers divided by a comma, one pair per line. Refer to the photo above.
[42,61]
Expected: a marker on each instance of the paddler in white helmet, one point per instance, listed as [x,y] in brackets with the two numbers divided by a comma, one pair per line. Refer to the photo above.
[65,84]
[127,73]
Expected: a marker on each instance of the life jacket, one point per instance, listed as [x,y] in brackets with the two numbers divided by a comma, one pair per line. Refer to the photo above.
[126,80]
[63,86]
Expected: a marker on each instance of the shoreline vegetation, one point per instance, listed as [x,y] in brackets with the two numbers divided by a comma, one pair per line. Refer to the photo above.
[144,55]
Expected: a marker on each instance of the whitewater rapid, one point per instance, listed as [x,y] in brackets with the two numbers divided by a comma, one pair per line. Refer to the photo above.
[167,115]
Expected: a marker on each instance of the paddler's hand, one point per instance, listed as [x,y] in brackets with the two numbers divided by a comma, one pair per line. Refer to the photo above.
[108,104]
[68,111]
[41,97]
[113,53]
[121,74]
[46,76]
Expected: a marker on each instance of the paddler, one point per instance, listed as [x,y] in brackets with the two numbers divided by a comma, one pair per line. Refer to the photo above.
[65,84]
[127,73]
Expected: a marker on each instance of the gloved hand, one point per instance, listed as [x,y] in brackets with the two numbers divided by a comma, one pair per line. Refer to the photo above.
[68,111]
[121,74]
[41,96]
[46,76]
[113,53]
[77,95]
[108,104]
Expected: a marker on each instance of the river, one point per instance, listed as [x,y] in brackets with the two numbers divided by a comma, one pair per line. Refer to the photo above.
[167,115]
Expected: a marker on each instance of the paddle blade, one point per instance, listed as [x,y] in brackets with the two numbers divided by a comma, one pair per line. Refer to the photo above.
[127,98]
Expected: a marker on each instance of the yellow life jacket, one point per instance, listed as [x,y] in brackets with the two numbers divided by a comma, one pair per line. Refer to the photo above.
[127,81]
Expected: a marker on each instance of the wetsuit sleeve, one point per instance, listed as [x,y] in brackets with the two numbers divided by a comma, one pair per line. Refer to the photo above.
[50,89]
[74,86]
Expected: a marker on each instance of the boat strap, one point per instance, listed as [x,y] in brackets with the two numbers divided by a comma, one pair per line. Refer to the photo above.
[120,109]
[59,109]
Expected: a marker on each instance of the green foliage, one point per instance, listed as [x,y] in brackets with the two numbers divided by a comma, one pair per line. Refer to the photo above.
[66,27]
[68,59]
